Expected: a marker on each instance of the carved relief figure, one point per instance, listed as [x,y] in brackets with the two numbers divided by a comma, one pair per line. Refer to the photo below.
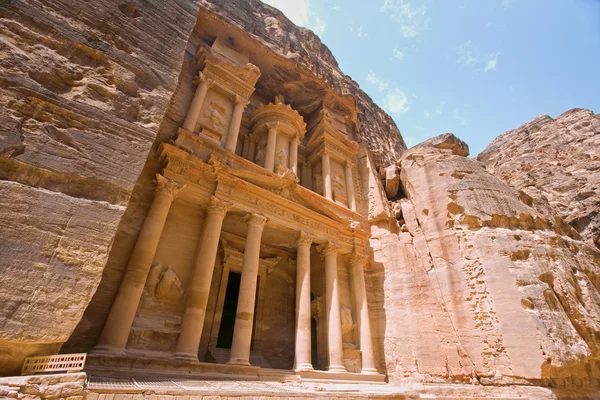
[164,284]
[318,186]
[214,116]
[260,155]
[338,182]
[282,158]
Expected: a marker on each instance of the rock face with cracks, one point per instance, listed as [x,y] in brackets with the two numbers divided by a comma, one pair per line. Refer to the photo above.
[478,285]
[555,162]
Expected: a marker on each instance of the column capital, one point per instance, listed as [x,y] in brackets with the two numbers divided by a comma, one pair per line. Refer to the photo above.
[272,124]
[202,78]
[328,248]
[219,206]
[358,258]
[349,164]
[237,99]
[167,186]
[303,238]
[254,219]
[324,152]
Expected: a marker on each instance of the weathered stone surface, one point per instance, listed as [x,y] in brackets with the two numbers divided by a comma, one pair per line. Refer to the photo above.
[479,286]
[83,90]
[555,163]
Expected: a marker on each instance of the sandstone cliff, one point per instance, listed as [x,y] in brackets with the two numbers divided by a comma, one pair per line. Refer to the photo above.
[478,285]
[83,90]
[556,162]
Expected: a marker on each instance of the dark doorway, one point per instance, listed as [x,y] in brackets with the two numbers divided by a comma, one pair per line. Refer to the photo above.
[229,310]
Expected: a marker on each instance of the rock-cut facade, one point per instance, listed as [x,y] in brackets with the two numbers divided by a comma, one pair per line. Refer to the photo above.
[194,187]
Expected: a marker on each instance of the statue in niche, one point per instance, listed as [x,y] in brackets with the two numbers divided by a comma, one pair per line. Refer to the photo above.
[164,284]
[214,117]
[338,182]
[260,155]
[282,158]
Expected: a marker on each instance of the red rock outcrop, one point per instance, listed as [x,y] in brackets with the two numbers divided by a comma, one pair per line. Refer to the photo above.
[556,163]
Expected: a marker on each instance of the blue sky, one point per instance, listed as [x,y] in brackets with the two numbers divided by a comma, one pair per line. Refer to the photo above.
[476,68]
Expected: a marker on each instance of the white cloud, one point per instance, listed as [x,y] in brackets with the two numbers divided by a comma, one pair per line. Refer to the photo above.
[397,54]
[360,32]
[301,13]
[465,55]
[492,61]
[335,7]
[411,19]
[396,101]
[379,83]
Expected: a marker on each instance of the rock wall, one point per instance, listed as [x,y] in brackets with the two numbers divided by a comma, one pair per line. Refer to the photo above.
[479,286]
[83,90]
[556,162]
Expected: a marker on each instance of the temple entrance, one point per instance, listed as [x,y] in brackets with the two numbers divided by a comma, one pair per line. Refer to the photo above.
[225,337]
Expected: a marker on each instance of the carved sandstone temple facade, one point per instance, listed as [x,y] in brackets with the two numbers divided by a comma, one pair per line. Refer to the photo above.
[275,278]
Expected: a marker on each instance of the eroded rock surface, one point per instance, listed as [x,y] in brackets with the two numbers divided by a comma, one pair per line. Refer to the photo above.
[479,286]
[556,163]
[83,90]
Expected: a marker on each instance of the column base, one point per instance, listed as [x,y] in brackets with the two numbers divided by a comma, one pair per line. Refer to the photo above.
[336,368]
[108,350]
[303,367]
[188,357]
[369,371]
[239,361]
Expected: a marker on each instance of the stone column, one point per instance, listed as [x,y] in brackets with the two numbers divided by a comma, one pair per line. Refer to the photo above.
[350,186]
[334,324]
[309,181]
[236,121]
[326,170]
[197,294]
[244,317]
[302,359]
[252,147]
[358,261]
[194,111]
[122,313]
[294,155]
[271,143]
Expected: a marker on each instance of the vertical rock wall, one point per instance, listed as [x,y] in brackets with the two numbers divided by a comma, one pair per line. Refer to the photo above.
[83,90]
[479,286]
